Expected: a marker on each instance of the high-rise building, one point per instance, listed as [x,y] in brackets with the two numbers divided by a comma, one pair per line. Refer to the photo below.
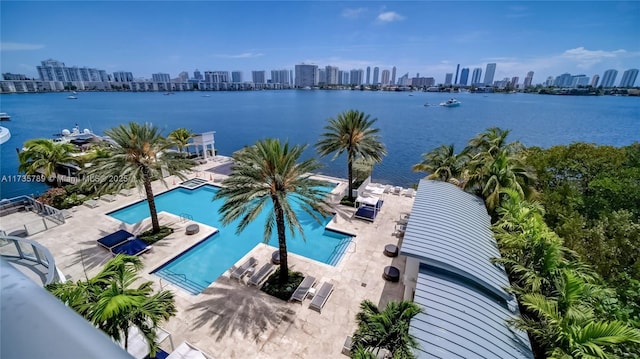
[594,80]
[332,75]
[183,76]
[368,75]
[160,77]
[345,77]
[122,76]
[386,77]
[549,81]
[322,76]
[376,72]
[259,77]
[306,75]
[464,76]
[489,74]
[280,77]
[629,78]
[356,76]
[609,78]
[393,75]
[236,77]
[564,80]
[514,81]
[528,79]
[197,75]
[404,80]
[447,78]
[216,76]
[476,76]
[579,80]
[455,82]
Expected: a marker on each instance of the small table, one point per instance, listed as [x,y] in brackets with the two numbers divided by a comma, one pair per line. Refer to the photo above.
[192,229]
[311,292]
[391,250]
[391,274]
[275,257]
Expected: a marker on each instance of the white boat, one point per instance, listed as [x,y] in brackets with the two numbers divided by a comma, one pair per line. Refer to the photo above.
[451,103]
[72,97]
[5,135]
[75,136]
[4,116]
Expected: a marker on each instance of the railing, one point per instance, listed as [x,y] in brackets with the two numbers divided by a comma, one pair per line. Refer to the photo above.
[185,217]
[340,249]
[183,281]
[12,247]
[51,217]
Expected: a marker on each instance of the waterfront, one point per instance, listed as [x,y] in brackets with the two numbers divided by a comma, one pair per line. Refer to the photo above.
[408,128]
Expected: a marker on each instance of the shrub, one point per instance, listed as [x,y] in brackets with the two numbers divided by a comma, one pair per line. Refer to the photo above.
[150,238]
[273,287]
[53,197]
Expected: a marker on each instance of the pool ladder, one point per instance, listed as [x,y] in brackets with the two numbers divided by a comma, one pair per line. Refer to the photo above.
[189,284]
[185,217]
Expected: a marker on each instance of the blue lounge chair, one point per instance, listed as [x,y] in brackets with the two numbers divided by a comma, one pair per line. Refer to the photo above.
[132,247]
[115,239]
[367,213]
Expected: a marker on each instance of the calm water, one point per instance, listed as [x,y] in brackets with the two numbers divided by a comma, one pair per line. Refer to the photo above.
[408,128]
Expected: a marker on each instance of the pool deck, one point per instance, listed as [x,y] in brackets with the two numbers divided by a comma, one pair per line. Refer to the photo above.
[230,319]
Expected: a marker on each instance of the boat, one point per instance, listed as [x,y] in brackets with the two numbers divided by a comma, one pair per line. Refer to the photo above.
[4,116]
[451,103]
[5,135]
[72,97]
[75,136]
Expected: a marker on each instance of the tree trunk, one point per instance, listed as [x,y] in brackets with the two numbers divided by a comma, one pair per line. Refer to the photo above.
[350,175]
[282,241]
[151,200]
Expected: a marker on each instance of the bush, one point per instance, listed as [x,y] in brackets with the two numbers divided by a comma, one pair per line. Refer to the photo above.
[53,197]
[150,238]
[273,287]
[345,202]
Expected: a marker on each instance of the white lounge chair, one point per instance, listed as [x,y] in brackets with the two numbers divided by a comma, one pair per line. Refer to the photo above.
[262,274]
[397,190]
[108,198]
[126,192]
[91,203]
[303,289]
[387,189]
[409,192]
[244,268]
[321,296]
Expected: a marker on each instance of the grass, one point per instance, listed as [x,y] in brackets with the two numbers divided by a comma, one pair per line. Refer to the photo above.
[273,287]
[150,238]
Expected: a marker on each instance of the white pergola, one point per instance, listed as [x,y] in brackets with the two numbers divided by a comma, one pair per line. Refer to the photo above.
[204,141]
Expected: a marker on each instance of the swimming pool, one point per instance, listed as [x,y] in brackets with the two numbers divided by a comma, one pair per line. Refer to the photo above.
[199,266]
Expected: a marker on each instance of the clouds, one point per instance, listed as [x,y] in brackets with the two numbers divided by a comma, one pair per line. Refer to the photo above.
[19,46]
[353,13]
[585,59]
[390,16]
[244,55]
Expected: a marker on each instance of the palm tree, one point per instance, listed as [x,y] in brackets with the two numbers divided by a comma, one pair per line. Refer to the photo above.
[138,158]
[443,164]
[387,329]
[352,132]
[112,303]
[492,141]
[180,137]
[269,173]
[45,155]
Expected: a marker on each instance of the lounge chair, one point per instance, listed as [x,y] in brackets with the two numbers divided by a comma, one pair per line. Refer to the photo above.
[303,289]
[258,277]
[115,239]
[366,213]
[400,229]
[346,347]
[91,203]
[108,198]
[132,247]
[66,213]
[409,192]
[126,192]
[387,189]
[241,271]
[321,296]
[397,190]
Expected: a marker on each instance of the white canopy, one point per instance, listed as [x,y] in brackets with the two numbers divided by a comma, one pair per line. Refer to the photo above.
[367,198]
[186,351]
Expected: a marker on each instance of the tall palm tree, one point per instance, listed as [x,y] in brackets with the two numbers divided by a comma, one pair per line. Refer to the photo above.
[492,141]
[45,155]
[269,173]
[387,329]
[180,137]
[111,302]
[443,164]
[138,158]
[352,132]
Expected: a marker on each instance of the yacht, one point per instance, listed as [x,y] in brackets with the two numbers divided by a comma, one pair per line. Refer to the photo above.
[451,103]
[5,135]
[4,116]
[72,97]
[76,136]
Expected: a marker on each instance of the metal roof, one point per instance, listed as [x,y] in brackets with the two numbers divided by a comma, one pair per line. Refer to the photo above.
[450,229]
[462,322]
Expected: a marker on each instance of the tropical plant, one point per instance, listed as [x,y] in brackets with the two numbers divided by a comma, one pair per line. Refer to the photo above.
[492,141]
[351,132]
[180,137]
[444,164]
[386,329]
[138,158]
[268,177]
[111,302]
[45,155]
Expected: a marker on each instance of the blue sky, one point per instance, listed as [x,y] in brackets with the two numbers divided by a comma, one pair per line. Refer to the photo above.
[428,37]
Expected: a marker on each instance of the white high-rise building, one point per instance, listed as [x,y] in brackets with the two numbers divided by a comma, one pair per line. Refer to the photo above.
[448,78]
[376,72]
[332,75]
[528,79]
[476,76]
[393,75]
[368,75]
[356,77]
[306,75]
[489,74]
[160,77]
[281,77]
[259,77]
[386,77]
[236,76]
[594,80]
[629,78]
[609,78]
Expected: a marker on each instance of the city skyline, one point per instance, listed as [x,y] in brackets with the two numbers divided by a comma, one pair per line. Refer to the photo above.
[587,39]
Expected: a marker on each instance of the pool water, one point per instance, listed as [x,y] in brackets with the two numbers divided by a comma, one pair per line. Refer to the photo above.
[196,268]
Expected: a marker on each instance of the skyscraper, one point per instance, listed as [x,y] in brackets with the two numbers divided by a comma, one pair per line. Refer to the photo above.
[447,78]
[306,75]
[529,79]
[393,75]
[236,76]
[332,75]
[356,76]
[609,78]
[160,77]
[455,82]
[476,76]
[376,71]
[197,75]
[259,77]
[368,75]
[280,77]
[514,81]
[489,73]
[464,76]
[629,78]
[385,77]
[594,80]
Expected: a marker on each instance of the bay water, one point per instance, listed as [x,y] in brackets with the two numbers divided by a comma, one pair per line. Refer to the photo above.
[410,123]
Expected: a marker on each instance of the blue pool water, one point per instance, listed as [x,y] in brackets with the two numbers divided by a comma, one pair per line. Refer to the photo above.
[196,268]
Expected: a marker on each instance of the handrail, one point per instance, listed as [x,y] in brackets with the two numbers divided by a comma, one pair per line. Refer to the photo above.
[191,283]
[185,217]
